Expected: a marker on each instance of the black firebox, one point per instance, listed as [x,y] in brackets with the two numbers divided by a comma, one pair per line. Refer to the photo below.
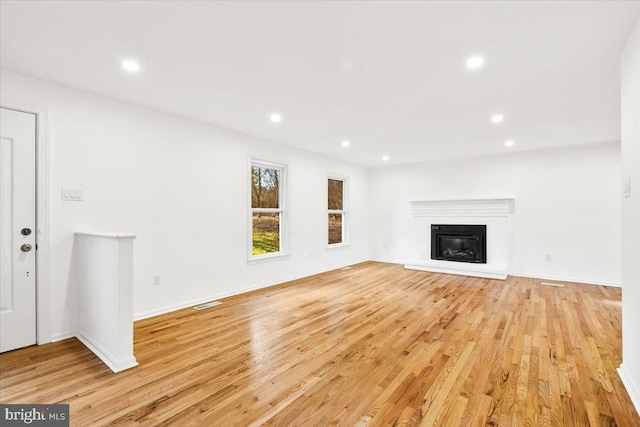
[462,243]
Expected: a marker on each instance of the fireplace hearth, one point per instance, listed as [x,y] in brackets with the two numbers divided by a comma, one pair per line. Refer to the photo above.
[459,243]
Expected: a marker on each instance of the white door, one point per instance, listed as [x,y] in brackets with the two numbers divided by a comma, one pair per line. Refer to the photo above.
[17,229]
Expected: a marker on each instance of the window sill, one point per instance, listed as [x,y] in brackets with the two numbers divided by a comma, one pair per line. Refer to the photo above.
[338,246]
[258,259]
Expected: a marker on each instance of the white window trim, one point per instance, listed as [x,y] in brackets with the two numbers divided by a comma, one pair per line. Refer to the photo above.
[282,210]
[345,212]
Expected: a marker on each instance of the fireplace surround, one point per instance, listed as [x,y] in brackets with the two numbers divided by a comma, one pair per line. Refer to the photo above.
[495,214]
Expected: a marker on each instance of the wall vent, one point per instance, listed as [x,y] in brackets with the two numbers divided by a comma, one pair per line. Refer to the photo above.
[207,305]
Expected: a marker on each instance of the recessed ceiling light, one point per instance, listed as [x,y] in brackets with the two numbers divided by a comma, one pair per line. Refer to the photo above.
[497,118]
[508,143]
[346,143]
[275,118]
[385,158]
[130,66]
[475,62]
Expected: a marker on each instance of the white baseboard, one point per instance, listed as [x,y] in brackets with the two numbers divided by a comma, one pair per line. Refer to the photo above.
[531,276]
[174,307]
[190,303]
[113,363]
[567,279]
[60,336]
[389,261]
[634,392]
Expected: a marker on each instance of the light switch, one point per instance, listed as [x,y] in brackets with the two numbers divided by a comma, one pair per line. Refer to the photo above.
[626,187]
[72,194]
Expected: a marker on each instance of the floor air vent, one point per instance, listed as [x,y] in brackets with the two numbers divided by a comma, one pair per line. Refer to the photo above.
[557,285]
[207,305]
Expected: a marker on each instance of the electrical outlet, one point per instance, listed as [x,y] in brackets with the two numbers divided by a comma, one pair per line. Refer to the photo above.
[72,194]
[156,280]
[548,257]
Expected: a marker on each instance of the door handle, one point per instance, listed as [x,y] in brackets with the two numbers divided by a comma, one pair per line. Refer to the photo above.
[25,248]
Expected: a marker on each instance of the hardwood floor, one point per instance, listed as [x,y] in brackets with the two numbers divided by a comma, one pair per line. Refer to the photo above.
[371,345]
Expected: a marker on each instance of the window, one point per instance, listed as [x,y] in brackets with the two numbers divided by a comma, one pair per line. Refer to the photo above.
[267,209]
[337,212]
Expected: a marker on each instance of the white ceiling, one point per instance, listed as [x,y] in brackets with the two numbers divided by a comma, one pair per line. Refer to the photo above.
[388,76]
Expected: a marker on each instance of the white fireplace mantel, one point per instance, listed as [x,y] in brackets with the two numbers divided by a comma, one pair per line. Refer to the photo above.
[463,208]
[494,213]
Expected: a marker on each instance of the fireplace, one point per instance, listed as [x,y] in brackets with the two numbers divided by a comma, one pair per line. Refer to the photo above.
[460,243]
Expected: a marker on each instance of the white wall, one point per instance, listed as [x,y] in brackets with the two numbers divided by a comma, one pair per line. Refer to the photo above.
[630,370]
[567,205]
[182,187]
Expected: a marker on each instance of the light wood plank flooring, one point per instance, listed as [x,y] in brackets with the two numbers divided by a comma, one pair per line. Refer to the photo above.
[371,345]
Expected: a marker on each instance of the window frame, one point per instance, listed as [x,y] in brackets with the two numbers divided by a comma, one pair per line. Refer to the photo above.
[281,210]
[344,211]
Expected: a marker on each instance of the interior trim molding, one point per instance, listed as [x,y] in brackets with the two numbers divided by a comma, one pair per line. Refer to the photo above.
[567,279]
[633,391]
[61,336]
[458,208]
[115,364]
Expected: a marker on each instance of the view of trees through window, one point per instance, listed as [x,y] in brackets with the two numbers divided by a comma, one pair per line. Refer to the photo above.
[265,187]
[266,209]
[336,211]
[266,233]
